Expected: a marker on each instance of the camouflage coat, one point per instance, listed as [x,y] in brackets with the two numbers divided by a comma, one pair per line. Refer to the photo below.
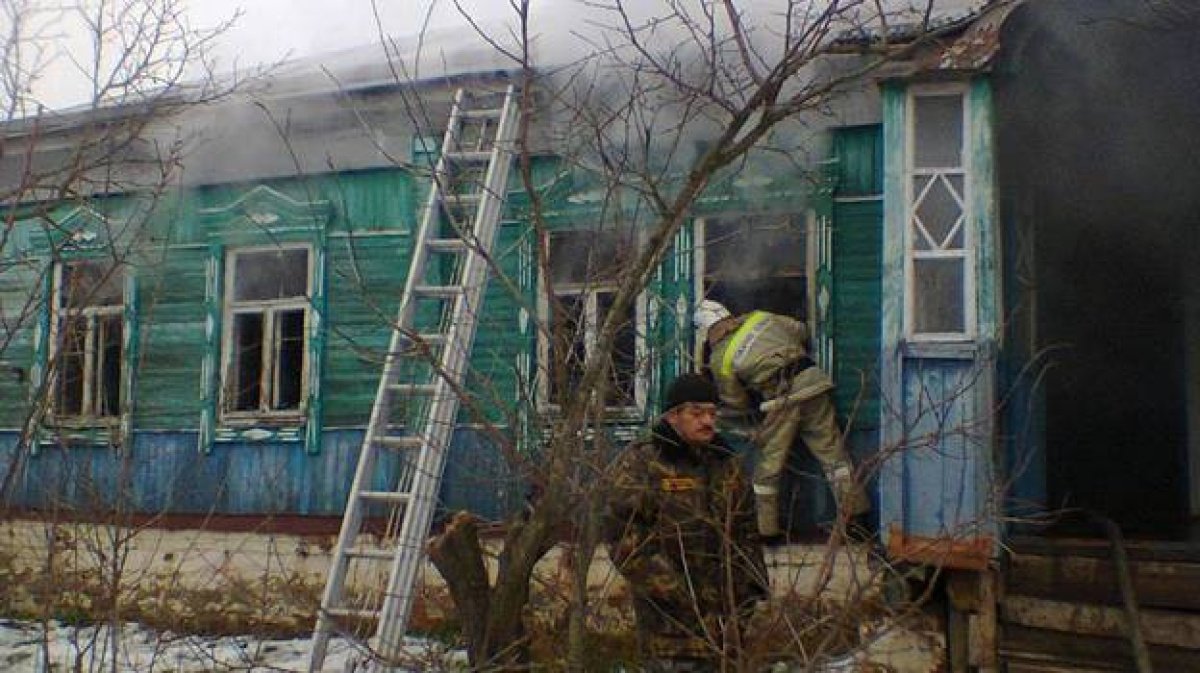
[677,519]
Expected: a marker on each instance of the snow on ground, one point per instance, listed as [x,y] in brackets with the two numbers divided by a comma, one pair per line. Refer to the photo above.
[71,648]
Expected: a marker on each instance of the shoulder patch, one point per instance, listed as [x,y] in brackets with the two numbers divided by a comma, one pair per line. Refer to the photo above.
[677,484]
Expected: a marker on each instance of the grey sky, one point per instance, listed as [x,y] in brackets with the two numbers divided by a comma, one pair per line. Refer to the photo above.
[272,29]
[268,31]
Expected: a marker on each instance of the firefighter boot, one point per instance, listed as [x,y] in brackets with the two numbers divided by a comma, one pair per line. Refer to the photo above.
[850,496]
[767,505]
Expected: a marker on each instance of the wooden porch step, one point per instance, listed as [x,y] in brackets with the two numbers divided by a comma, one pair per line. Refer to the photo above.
[1029,649]
[1166,551]
[1093,579]
[1159,627]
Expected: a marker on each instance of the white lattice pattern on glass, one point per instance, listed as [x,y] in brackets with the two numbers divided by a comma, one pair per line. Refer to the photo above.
[938,211]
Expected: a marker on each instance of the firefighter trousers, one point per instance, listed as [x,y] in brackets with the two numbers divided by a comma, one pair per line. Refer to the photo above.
[813,420]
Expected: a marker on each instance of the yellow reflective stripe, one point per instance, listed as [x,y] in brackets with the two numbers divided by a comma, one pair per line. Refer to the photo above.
[735,342]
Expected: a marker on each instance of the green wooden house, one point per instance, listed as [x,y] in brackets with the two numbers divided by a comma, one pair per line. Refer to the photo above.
[977,211]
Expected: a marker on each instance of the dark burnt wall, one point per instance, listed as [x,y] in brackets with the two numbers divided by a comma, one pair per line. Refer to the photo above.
[1098,163]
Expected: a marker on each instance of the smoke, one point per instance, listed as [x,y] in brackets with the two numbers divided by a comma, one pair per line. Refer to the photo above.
[1096,135]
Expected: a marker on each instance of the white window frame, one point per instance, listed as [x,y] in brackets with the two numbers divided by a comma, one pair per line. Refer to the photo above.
[91,363]
[967,251]
[545,348]
[270,308]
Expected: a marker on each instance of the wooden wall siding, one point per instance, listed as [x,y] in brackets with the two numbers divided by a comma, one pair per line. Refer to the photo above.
[165,474]
[173,340]
[938,399]
[17,342]
[859,154]
[499,340]
[366,276]
[857,296]
[857,268]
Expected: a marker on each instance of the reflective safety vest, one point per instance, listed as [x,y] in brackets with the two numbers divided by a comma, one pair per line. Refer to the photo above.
[756,356]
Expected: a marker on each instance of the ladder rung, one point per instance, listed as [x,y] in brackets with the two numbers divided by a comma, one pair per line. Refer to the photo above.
[431,339]
[415,388]
[405,442]
[468,156]
[351,612]
[462,199]
[446,244]
[483,113]
[371,554]
[385,496]
[439,291]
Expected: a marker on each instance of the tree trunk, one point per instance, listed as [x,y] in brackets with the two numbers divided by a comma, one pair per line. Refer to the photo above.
[492,615]
[458,556]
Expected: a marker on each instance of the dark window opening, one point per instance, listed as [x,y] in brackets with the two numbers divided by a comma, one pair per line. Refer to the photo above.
[589,256]
[248,366]
[108,356]
[289,372]
[90,320]
[272,274]
[585,266]
[757,262]
[268,331]
[569,344]
[71,368]
[623,371]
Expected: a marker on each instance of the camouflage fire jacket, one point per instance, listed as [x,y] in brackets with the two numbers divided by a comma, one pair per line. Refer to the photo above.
[677,519]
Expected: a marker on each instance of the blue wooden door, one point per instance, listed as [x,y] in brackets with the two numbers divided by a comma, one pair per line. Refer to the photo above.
[938,495]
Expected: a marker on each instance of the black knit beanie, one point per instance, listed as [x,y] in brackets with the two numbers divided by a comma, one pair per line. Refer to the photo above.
[690,388]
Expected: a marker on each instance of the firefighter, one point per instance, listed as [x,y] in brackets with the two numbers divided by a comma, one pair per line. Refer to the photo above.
[760,363]
[680,525]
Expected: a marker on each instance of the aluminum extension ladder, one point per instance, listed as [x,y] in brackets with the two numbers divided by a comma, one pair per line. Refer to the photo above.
[423,371]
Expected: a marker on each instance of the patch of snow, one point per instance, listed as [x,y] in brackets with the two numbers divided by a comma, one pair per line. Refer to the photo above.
[27,647]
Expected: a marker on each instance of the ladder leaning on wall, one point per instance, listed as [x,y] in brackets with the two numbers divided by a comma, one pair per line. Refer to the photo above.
[417,399]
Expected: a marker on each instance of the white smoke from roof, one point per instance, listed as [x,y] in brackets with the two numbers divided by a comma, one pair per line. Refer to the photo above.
[562,32]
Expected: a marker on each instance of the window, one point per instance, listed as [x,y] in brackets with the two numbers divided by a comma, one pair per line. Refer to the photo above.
[584,266]
[939,269]
[266,335]
[89,319]
[759,261]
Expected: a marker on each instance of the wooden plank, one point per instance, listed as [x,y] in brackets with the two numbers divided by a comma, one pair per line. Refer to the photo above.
[1157,584]
[985,624]
[944,552]
[1015,666]
[1159,627]
[1179,551]
[1026,646]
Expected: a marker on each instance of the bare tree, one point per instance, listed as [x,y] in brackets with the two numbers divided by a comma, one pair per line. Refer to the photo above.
[136,65]
[81,180]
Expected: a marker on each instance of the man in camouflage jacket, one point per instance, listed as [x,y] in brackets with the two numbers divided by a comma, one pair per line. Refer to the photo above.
[681,530]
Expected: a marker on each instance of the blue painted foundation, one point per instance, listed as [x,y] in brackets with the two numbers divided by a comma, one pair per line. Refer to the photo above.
[164,473]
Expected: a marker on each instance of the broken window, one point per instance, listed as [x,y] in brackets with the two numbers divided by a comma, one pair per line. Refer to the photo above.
[755,262]
[939,240]
[90,323]
[585,267]
[266,338]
